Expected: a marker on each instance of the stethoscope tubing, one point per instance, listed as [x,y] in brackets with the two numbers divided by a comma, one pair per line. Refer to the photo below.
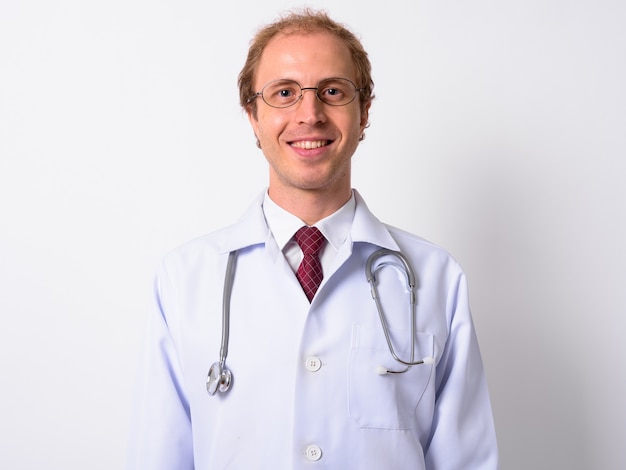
[411,283]
[228,289]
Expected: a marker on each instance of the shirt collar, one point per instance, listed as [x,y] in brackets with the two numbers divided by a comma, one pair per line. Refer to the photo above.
[284,224]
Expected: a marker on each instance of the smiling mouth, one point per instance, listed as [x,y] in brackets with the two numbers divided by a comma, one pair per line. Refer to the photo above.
[310,144]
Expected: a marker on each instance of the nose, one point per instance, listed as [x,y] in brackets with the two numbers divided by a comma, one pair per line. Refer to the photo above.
[309,109]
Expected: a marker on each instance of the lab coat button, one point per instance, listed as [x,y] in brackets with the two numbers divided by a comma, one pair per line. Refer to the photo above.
[313,364]
[313,453]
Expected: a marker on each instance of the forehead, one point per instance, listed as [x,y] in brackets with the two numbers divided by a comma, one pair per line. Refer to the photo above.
[305,57]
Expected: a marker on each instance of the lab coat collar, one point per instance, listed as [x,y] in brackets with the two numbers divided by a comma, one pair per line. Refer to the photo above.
[368,229]
[252,229]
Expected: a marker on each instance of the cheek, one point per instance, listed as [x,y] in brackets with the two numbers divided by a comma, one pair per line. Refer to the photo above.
[358,124]
[269,125]
[358,119]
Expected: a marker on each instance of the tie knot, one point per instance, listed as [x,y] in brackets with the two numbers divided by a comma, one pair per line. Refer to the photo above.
[310,240]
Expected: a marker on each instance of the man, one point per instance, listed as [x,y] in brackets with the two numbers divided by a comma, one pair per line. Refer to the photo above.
[314,383]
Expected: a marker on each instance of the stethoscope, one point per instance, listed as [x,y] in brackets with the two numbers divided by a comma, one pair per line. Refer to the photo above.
[220,377]
[410,279]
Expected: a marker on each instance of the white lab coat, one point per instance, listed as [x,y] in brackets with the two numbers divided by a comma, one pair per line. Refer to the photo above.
[305,392]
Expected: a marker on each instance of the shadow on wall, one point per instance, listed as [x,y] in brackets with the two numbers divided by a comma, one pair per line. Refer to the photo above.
[527,281]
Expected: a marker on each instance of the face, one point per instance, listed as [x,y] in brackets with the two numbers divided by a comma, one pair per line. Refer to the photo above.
[309,145]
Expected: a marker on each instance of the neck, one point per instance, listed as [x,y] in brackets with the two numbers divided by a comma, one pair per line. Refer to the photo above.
[311,206]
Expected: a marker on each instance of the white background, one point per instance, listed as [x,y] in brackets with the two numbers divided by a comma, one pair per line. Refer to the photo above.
[498,131]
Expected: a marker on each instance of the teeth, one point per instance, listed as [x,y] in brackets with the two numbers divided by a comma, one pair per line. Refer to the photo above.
[309,144]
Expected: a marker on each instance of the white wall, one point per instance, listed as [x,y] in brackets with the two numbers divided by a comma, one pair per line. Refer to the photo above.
[498,132]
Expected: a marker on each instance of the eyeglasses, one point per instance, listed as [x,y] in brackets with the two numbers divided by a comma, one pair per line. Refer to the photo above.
[284,93]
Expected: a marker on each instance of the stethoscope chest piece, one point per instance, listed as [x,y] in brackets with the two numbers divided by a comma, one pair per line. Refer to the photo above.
[219,378]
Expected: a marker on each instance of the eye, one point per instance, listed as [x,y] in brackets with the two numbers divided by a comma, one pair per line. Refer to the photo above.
[285,93]
[281,91]
[332,91]
[336,91]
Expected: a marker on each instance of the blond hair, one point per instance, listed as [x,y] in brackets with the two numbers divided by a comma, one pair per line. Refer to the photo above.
[305,21]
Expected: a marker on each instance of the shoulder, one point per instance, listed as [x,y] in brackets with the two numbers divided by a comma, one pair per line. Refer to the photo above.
[403,237]
[198,253]
[425,251]
[251,229]
[212,242]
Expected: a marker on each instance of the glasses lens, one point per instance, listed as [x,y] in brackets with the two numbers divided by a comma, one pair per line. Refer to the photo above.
[336,91]
[281,93]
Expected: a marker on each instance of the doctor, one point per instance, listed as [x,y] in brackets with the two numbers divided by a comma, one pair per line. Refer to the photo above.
[313,383]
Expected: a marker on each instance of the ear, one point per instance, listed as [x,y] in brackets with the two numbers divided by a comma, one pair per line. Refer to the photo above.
[251,116]
[365,114]
[253,122]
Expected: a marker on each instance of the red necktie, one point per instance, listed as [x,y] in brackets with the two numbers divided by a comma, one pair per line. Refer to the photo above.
[309,272]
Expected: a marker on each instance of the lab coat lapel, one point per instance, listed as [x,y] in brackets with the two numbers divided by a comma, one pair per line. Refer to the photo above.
[367,229]
[252,229]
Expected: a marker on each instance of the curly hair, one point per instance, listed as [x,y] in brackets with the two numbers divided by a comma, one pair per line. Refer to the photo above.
[305,21]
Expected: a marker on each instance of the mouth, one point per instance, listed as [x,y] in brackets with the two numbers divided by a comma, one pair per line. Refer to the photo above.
[310,144]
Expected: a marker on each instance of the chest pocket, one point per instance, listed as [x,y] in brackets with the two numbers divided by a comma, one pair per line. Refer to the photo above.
[386,401]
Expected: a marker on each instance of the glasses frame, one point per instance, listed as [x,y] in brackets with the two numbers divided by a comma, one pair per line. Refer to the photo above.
[303,89]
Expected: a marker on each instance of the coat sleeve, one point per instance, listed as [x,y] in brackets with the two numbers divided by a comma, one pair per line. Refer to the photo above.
[160,436]
[463,434]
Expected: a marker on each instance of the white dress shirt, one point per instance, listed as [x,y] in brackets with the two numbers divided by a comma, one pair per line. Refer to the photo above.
[284,224]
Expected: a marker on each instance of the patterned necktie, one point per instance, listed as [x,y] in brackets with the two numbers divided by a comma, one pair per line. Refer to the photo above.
[309,272]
